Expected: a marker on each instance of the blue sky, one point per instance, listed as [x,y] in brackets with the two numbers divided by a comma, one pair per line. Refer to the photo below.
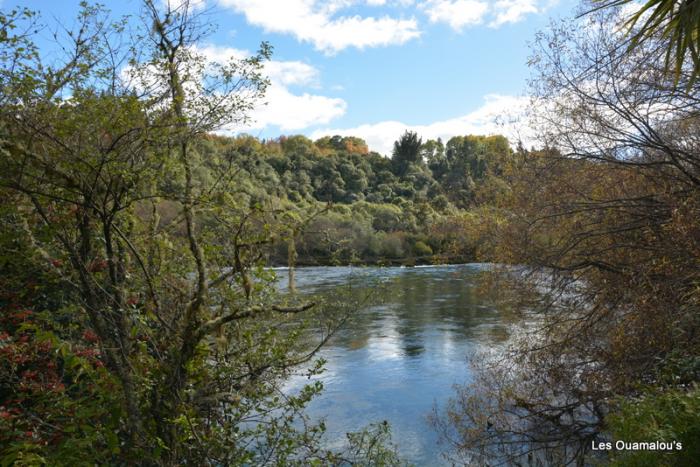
[373,68]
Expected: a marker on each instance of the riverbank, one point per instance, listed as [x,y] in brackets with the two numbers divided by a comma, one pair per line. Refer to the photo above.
[433,260]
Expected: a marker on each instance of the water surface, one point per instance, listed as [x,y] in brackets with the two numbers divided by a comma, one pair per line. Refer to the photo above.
[396,359]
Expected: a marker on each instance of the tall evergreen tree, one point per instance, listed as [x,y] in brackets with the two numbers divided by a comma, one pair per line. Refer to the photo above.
[407,152]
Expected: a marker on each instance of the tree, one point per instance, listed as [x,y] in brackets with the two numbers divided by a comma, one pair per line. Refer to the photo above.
[406,153]
[433,152]
[157,252]
[605,219]
[328,182]
[678,22]
[464,158]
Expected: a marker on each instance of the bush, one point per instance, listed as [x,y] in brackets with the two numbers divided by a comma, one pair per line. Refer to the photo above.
[393,246]
[669,416]
[421,249]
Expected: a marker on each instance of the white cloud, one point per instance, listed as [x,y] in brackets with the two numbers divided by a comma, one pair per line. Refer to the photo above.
[281,106]
[456,13]
[322,23]
[314,21]
[281,72]
[512,11]
[293,112]
[291,73]
[460,13]
[498,115]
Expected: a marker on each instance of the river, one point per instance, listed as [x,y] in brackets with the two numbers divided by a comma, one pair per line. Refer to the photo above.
[398,359]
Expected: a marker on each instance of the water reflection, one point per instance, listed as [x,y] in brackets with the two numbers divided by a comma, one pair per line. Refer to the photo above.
[395,360]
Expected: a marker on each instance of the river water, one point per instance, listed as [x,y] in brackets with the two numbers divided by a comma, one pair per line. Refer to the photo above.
[400,356]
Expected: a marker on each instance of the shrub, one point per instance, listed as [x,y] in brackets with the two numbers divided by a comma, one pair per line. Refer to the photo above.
[670,416]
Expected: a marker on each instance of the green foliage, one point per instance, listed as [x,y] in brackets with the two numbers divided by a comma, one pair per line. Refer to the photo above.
[387,206]
[57,400]
[421,249]
[678,22]
[372,446]
[139,324]
[341,170]
[407,153]
[671,415]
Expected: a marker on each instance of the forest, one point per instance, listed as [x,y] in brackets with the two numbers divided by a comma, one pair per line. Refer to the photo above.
[353,206]
[139,320]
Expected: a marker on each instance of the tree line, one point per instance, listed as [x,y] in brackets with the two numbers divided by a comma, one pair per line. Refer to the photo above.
[364,207]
